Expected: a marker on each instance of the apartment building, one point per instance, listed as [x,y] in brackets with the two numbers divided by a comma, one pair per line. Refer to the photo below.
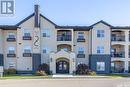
[37,40]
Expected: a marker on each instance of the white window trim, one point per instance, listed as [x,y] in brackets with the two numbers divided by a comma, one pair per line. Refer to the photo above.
[11,48]
[11,33]
[100,66]
[101,49]
[27,48]
[101,33]
[12,64]
[46,32]
[81,49]
[27,31]
[81,34]
[47,50]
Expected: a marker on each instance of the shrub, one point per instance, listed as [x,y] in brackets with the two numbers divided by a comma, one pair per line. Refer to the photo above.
[5,71]
[40,73]
[10,71]
[92,73]
[83,69]
[44,67]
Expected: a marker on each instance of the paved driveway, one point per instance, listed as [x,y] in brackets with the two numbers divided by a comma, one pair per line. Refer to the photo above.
[89,82]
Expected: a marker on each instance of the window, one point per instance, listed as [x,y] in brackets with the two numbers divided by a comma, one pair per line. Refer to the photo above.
[27,33]
[27,49]
[66,49]
[113,50]
[100,66]
[11,35]
[100,33]
[11,65]
[100,49]
[80,35]
[11,50]
[46,50]
[81,50]
[46,33]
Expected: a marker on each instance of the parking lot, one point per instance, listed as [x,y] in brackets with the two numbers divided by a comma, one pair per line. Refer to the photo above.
[76,82]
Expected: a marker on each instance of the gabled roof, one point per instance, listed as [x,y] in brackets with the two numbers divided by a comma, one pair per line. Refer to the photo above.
[76,28]
[102,22]
[32,16]
[48,20]
[25,19]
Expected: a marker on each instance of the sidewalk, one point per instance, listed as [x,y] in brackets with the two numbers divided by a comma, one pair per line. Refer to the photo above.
[78,76]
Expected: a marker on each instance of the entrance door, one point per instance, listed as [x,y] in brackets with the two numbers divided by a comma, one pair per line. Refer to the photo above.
[62,67]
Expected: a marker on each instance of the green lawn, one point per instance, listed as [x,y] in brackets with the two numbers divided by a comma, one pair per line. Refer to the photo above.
[49,77]
[117,75]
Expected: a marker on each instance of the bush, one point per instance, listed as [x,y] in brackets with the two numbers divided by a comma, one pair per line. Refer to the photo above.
[40,73]
[10,71]
[92,73]
[83,69]
[44,67]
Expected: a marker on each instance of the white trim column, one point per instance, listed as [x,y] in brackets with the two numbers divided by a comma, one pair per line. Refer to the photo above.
[126,66]
[72,45]
[126,51]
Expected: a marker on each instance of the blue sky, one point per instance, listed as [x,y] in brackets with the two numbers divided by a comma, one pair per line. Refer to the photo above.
[74,12]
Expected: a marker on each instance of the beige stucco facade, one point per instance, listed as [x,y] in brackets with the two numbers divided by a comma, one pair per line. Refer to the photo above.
[52,43]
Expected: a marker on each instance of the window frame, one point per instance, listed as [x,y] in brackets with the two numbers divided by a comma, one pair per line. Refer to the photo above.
[11,34]
[46,50]
[100,66]
[27,48]
[100,33]
[27,33]
[81,50]
[11,50]
[100,49]
[80,35]
[46,33]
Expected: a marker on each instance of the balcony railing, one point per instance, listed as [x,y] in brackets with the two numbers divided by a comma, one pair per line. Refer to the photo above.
[27,54]
[27,38]
[80,55]
[118,38]
[117,70]
[80,40]
[64,38]
[118,54]
[11,55]
[11,39]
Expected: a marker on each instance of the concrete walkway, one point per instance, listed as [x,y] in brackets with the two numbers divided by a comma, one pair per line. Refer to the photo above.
[77,76]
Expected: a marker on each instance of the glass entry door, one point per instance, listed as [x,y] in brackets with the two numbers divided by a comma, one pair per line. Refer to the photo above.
[62,67]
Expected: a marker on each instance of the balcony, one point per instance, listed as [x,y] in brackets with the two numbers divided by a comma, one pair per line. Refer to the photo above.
[11,55]
[80,40]
[118,35]
[118,55]
[118,38]
[11,39]
[80,55]
[117,67]
[64,35]
[64,38]
[27,54]
[118,51]
[27,38]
